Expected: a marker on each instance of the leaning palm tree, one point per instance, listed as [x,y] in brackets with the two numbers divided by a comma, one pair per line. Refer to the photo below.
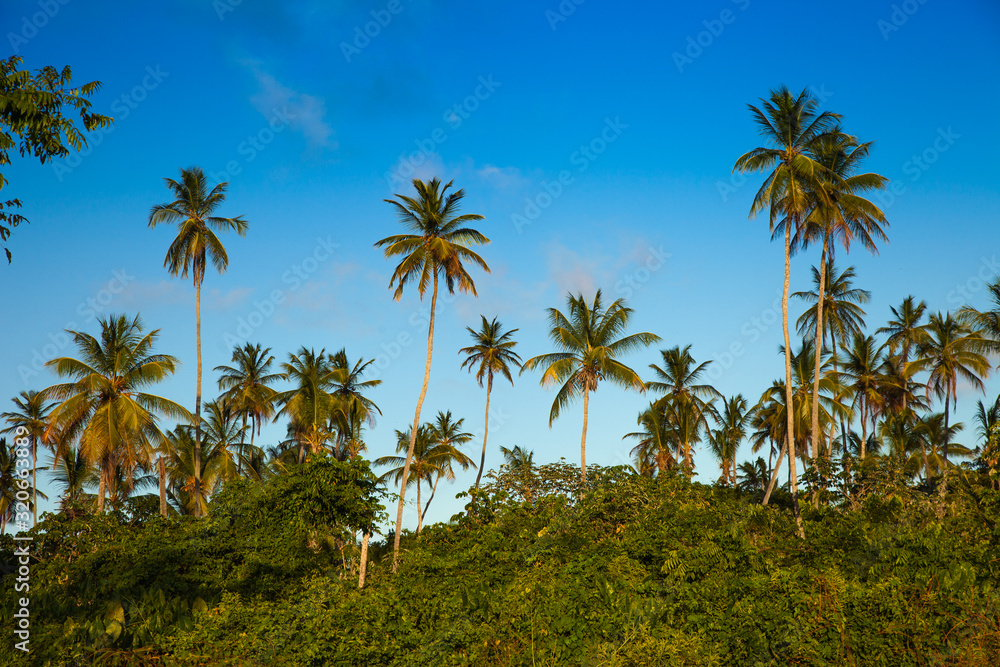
[246,385]
[590,339]
[435,247]
[845,217]
[791,128]
[32,416]
[103,402]
[195,244]
[493,352]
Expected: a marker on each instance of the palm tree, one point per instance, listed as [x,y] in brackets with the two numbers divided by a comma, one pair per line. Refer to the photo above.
[226,434]
[195,244]
[684,403]
[791,128]
[862,373]
[988,430]
[753,475]
[353,409]
[190,498]
[951,351]
[846,216]
[437,246]
[72,472]
[117,423]
[31,415]
[590,339]
[988,321]
[726,438]
[447,436]
[493,352]
[246,385]
[8,485]
[521,462]
[905,333]
[657,440]
[310,403]
[420,468]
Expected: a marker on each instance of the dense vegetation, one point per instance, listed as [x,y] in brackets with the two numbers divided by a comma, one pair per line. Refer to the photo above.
[638,571]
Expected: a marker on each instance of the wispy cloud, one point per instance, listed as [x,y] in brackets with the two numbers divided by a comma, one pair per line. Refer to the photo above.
[306,112]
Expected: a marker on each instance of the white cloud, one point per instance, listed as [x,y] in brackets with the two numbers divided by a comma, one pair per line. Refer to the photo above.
[306,112]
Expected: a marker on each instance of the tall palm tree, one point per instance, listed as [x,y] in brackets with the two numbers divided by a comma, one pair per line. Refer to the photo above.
[493,352]
[687,404]
[436,246]
[447,436]
[845,216]
[421,467]
[32,415]
[862,373]
[790,126]
[195,244]
[246,385]
[952,350]
[904,333]
[590,339]
[310,404]
[725,439]
[103,402]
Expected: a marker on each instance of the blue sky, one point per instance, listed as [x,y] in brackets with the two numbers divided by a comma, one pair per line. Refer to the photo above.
[641,110]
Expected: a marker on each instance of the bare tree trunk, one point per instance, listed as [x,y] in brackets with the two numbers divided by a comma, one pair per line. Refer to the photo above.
[486,428]
[819,348]
[413,431]
[774,474]
[420,516]
[864,428]
[162,465]
[197,402]
[583,441]
[789,403]
[433,491]
[363,566]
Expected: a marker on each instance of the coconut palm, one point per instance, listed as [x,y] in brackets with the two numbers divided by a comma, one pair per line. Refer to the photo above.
[987,321]
[862,373]
[246,385]
[195,244]
[951,350]
[725,439]
[845,217]
[657,442]
[310,404]
[447,436]
[103,403]
[179,461]
[74,475]
[31,415]
[988,430]
[590,339]
[791,127]
[226,434]
[684,403]
[353,410]
[436,247]
[493,352]
[752,476]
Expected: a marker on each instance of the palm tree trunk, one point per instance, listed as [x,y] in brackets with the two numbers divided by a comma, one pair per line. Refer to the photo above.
[413,431]
[583,441]
[486,428]
[420,516]
[197,400]
[102,488]
[864,427]
[433,491]
[774,473]
[162,465]
[943,487]
[789,404]
[363,566]
[819,348]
